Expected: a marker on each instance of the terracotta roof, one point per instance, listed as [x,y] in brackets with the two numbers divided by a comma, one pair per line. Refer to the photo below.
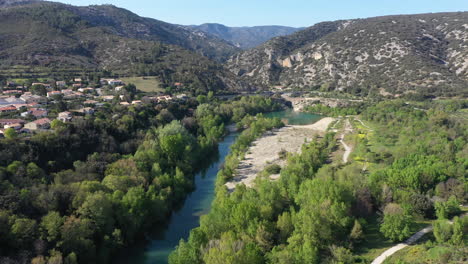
[42,121]
[11,121]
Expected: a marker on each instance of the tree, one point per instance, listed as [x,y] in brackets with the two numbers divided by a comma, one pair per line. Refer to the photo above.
[396,223]
[98,208]
[445,210]
[230,250]
[57,124]
[51,225]
[38,89]
[442,231]
[10,133]
[458,231]
[23,231]
[356,232]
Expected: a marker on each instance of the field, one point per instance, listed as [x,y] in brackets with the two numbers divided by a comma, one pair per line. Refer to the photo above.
[149,84]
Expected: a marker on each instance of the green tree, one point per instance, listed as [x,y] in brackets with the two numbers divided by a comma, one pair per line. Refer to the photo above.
[38,89]
[24,231]
[458,231]
[396,223]
[51,225]
[442,231]
[98,208]
[10,133]
[356,232]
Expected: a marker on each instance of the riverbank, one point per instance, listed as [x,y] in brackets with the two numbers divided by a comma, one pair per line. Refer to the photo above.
[266,150]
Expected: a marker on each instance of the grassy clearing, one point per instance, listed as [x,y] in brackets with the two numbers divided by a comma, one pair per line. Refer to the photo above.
[149,84]
[374,243]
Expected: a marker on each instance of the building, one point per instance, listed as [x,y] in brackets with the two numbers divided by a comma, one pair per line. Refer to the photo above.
[86,90]
[65,117]
[90,102]
[85,110]
[61,83]
[43,123]
[15,126]
[13,92]
[107,98]
[33,99]
[53,93]
[115,82]
[7,109]
[39,113]
[119,88]
[5,122]
[46,85]
[8,101]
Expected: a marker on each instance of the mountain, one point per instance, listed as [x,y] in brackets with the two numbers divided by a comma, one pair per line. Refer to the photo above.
[59,37]
[425,53]
[245,37]
[7,3]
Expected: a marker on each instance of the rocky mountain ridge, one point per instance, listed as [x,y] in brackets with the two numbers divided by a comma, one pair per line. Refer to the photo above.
[394,54]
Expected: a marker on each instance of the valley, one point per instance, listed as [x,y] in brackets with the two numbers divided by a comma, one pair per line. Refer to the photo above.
[128,139]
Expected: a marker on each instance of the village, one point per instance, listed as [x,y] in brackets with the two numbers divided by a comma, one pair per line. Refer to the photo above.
[26,109]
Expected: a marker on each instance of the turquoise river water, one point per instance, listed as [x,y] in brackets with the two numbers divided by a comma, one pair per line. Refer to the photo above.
[157,250]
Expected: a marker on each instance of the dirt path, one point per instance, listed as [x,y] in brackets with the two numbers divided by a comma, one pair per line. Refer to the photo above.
[380,259]
[348,149]
[265,150]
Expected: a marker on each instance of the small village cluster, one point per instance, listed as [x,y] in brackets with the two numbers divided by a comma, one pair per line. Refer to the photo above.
[26,111]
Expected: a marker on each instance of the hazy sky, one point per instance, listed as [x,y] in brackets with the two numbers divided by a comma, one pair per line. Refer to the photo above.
[274,12]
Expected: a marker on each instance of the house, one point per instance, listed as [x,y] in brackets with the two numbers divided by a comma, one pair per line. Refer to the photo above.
[124,103]
[7,109]
[119,88]
[33,99]
[46,85]
[115,82]
[90,102]
[182,96]
[13,92]
[107,98]
[43,123]
[85,110]
[178,84]
[65,117]
[4,122]
[39,113]
[78,80]
[53,93]
[164,98]
[137,102]
[16,126]
[7,101]
[86,90]
[77,85]
[67,91]
[60,83]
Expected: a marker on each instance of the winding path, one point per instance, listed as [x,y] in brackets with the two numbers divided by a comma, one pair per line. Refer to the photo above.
[380,259]
[347,148]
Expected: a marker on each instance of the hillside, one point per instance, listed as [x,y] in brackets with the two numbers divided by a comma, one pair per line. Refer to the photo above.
[65,38]
[423,53]
[245,37]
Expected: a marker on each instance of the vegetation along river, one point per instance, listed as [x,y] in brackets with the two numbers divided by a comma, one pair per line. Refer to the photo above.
[197,203]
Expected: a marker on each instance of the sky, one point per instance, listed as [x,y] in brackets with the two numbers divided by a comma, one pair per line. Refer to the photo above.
[297,13]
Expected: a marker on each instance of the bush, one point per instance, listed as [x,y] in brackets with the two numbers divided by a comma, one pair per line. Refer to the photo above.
[273,169]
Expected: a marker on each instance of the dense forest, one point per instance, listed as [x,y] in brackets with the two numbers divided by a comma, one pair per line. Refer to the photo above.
[320,213]
[78,194]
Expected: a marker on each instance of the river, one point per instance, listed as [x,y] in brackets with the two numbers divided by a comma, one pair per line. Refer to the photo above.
[197,203]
